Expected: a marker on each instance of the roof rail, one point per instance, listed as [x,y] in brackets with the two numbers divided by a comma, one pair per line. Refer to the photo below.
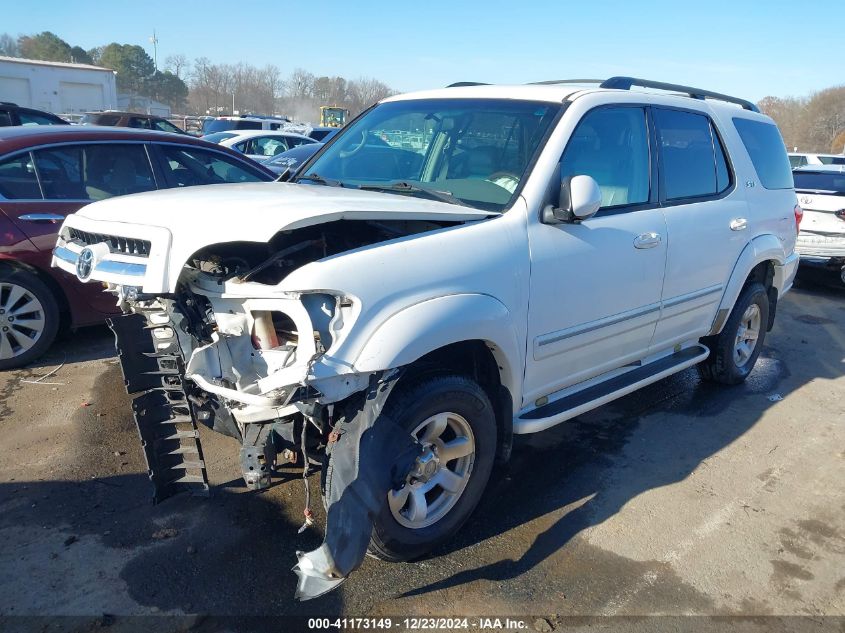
[553,82]
[461,84]
[625,83]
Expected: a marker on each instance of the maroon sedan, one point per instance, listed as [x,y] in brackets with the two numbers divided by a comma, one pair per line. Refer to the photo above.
[49,172]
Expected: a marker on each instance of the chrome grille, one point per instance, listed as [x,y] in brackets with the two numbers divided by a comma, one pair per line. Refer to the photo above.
[117,244]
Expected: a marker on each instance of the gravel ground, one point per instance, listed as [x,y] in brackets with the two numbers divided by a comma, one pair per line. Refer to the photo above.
[684,498]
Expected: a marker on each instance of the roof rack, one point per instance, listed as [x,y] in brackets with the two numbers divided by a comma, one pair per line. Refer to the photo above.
[625,83]
[554,82]
[461,84]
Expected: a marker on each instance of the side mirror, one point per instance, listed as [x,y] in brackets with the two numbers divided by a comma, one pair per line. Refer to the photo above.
[579,199]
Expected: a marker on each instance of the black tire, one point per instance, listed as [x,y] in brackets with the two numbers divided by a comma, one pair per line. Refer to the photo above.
[38,289]
[411,406]
[721,366]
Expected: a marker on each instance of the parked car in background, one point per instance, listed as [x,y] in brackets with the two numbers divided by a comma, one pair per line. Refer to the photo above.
[821,193]
[131,119]
[47,173]
[799,160]
[290,161]
[261,144]
[13,114]
[243,122]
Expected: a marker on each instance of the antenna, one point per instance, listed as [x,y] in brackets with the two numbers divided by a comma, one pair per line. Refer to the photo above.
[154,41]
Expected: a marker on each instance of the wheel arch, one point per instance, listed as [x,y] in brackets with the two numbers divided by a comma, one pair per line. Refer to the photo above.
[469,334]
[756,263]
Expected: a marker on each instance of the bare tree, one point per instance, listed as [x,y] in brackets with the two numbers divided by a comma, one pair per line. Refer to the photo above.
[300,84]
[9,46]
[177,64]
[825,116]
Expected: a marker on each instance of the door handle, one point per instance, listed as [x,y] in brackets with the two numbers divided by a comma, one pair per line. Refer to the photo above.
[41,217]
[647,240]
[739,224]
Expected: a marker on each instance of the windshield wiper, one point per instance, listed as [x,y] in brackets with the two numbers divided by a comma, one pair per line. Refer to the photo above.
[402,186]
[315,177]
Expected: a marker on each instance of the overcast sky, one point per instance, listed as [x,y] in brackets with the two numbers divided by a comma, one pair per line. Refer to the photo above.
[750,49]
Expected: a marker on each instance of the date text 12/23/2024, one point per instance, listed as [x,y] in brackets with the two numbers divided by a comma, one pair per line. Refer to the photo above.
[419,624]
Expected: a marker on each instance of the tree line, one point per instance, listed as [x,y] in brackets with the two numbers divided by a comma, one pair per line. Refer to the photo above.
[202,87]
[815,123]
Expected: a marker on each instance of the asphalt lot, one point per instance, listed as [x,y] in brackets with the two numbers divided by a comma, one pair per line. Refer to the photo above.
[684,498]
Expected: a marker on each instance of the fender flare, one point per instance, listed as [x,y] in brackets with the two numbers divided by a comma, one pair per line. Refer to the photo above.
[424,327]
[762,248]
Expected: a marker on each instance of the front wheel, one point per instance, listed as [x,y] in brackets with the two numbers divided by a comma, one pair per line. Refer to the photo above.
[29,318]
[453,419]
[734,351]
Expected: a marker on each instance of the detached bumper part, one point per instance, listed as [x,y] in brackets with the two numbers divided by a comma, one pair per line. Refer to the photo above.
[152,368]
[371,455]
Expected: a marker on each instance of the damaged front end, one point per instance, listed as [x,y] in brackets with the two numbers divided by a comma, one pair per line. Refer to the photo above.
[233,351]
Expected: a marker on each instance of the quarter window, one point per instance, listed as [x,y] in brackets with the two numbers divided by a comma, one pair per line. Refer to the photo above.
[767,151]
[694,163]
[93,172]
[611,145]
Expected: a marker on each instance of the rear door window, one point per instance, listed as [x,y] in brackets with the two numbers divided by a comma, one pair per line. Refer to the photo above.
[18,180]
[140,122]
[93,172]
[693,159]
[611,145]
[266,146]
[767,151]
[194,166]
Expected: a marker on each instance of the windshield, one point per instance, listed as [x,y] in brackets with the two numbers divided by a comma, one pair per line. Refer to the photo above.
[832,182]
[221,125]
[476,150]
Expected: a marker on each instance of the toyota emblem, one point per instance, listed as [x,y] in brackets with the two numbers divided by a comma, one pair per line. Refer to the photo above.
[85,264]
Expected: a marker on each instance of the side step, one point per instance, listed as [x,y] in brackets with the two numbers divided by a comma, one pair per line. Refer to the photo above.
[153,367]
[575,404]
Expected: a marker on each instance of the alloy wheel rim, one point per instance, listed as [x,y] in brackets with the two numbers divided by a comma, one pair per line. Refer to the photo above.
[21,320]
[440,475]
[747,335]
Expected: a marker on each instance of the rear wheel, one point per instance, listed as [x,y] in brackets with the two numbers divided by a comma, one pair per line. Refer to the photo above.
[734,351]
[29,318]
[454,421]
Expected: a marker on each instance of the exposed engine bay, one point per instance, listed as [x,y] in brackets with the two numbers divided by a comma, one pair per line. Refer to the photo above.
[231,350]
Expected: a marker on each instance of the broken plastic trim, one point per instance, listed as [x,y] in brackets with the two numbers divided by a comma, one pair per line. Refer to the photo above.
[359,473]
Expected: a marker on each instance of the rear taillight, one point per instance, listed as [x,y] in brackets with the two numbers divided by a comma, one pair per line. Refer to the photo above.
[799,215]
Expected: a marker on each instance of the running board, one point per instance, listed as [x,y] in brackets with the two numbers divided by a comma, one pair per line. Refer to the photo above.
[153,370]
[596,395]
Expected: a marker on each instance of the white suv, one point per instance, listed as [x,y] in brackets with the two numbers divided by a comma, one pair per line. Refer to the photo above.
[455,267]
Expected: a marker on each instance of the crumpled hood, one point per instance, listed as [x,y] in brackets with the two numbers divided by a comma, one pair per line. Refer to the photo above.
[256,211]
[179,222]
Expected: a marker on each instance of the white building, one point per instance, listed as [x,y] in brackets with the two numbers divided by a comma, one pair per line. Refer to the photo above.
[57,86]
